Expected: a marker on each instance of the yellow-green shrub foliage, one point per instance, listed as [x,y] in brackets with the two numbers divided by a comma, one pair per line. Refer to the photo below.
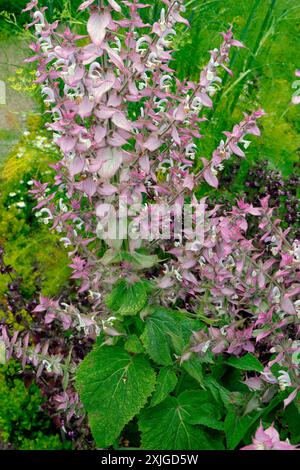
[18,321]
[42,263]
[22,421]
[35,254]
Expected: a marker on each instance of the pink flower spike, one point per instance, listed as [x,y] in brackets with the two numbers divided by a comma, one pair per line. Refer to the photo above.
[236,43]
[85,5]
[30,6]
[96,27]
[115,6]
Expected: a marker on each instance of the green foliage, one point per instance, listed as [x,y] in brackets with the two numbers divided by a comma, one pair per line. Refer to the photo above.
[193,366]
[201,408]
[195,402]
[56,8]
[22,421]
[167,427]
[44,442]
[247,362]
[291,422]
[237,426]
[113,386]
[36,262]
[127,299]
[165,384]
[16,322]
[30,158]
[134,345]
[15,7]
[161,337]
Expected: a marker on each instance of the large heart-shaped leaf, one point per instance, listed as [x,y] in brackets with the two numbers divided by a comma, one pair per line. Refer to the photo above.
[167,426]
[167,333]
[200,408]
[127,299]
[237,426]
[113,387]
[161,331]
[247,362]
[166,382]
[193,366]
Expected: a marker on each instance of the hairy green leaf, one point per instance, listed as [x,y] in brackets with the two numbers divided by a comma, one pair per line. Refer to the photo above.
[145,261]
[127,299]
[200,408]
[160,331]
[134,345]
[220,393]
[165,384]
[247,362]
[194,368]
[113,387]
[166,427]
[237,426]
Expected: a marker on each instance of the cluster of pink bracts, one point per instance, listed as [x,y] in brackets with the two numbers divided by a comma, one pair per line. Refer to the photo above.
[268,439]
[127,127]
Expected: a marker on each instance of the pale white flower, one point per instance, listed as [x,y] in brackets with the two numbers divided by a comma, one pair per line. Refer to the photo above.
[177,275]
[2,352]
[152,61]
[49,217]
[269,377]
[296,250]
[202,261]
[214,170]
[246,143]
[66,241]
[276,295]
[190,151]
[166,81]
[297,307]
[62,206]
[206,346]
[284,380]
[140,44]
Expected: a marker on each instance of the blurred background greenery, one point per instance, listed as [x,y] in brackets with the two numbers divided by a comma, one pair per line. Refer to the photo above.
[263,73]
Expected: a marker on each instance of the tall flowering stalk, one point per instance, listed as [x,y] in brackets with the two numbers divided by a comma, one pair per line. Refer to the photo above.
[125,125]
[128,130]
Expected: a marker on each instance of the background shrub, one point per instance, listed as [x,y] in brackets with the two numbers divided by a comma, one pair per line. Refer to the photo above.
[22,420]
[42,264]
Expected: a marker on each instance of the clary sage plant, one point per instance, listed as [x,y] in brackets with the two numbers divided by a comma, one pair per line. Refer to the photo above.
[186,318]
